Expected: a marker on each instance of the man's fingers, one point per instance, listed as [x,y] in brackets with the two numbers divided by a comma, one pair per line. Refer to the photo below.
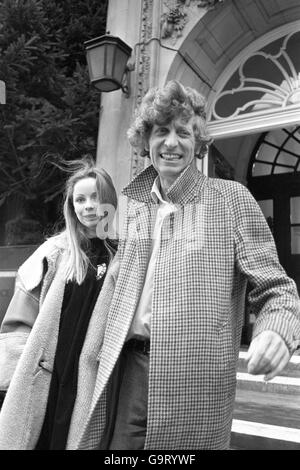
[260,358]
[263,361]
[270,366]
[279,364]
[267,354]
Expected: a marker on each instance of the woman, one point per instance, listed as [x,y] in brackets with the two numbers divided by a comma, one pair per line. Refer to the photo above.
[48,319]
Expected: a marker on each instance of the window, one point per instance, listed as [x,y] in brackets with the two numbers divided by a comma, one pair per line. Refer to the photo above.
[278,151]
[266,206]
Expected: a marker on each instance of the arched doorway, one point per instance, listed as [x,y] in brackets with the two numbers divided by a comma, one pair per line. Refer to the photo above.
[269,165]
[274,180]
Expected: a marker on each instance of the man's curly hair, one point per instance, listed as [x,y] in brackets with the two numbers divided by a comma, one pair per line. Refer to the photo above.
[162,105]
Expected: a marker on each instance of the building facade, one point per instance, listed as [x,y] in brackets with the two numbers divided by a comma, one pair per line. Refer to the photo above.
[243,56]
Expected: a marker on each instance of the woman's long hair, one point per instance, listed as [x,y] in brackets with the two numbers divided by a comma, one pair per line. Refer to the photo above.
[77,240]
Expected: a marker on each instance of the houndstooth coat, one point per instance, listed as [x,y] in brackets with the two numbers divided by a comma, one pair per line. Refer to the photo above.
[216,241]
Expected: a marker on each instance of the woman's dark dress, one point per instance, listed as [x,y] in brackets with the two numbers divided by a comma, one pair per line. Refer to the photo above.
[78,305]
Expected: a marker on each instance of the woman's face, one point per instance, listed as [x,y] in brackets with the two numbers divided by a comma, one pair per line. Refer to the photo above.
[86,204]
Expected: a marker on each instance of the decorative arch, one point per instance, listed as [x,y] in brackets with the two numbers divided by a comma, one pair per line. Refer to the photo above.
[260,88]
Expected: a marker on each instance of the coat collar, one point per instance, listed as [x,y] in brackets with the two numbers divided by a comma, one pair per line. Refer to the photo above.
[185,189]
[31,272]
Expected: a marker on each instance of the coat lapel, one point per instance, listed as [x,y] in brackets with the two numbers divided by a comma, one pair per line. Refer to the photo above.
[145,216]
[119,320]
[89,358]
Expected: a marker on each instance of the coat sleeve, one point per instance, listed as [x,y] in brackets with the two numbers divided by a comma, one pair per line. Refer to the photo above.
[273,295]
[16,326]
[22,312]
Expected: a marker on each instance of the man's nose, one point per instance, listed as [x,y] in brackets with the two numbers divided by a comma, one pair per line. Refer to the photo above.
[171,139]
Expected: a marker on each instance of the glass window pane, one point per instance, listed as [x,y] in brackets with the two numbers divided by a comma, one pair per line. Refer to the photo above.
[287,159]
[295,240]
[293,146]
[260,169]
[295,210]
[276,137]
[266,153]
[297,133]
[267,209]
[282,169]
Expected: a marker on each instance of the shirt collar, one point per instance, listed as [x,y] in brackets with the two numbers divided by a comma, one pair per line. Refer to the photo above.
[156,192]
[183,190]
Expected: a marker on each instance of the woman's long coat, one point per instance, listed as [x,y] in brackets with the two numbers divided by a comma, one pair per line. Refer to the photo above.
[28,342]
[215,241]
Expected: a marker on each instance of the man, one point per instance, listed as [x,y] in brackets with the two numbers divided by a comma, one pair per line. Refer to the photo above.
[167,365]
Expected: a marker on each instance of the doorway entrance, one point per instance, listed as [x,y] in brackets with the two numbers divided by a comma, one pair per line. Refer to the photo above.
[269,165]
[274,180]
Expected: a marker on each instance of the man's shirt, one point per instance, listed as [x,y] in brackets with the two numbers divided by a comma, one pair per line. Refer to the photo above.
[141,323]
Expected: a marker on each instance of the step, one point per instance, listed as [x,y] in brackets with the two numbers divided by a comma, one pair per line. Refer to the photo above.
[267,414]
[291,370]
[266,420]
[279,384]
[247,435]
[270,408]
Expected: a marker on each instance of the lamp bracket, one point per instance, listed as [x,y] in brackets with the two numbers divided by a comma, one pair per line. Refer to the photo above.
[126,79]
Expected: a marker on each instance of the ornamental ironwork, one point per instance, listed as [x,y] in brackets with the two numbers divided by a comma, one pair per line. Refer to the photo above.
[267,79]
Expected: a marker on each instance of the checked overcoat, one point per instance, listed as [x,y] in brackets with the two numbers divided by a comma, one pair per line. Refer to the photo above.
[211,246]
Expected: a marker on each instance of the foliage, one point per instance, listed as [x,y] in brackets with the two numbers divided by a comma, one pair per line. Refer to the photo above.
[51,112]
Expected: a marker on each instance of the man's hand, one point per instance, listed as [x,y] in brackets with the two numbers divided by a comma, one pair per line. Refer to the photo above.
[267,354]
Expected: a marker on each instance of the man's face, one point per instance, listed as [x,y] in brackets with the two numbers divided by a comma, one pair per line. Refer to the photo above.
[172,148]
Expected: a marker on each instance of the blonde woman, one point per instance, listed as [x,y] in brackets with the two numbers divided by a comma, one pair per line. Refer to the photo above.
[43,334]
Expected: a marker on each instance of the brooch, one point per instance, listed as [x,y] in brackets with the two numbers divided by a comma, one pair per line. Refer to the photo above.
[101,270]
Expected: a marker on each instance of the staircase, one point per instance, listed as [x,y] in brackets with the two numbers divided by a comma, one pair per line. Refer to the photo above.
[267,414]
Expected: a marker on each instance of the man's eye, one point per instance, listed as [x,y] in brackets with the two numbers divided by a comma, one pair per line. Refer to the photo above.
[184,133]
[161,130]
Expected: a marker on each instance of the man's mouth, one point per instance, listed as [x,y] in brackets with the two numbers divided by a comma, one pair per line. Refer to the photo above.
[170,157]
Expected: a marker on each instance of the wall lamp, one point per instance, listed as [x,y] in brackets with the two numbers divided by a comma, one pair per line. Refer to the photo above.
[109,70]
[107,58]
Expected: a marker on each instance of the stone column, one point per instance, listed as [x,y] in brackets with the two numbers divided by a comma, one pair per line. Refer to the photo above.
[135,22]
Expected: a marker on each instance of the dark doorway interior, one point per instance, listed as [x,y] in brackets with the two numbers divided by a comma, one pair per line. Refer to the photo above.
[274,180]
